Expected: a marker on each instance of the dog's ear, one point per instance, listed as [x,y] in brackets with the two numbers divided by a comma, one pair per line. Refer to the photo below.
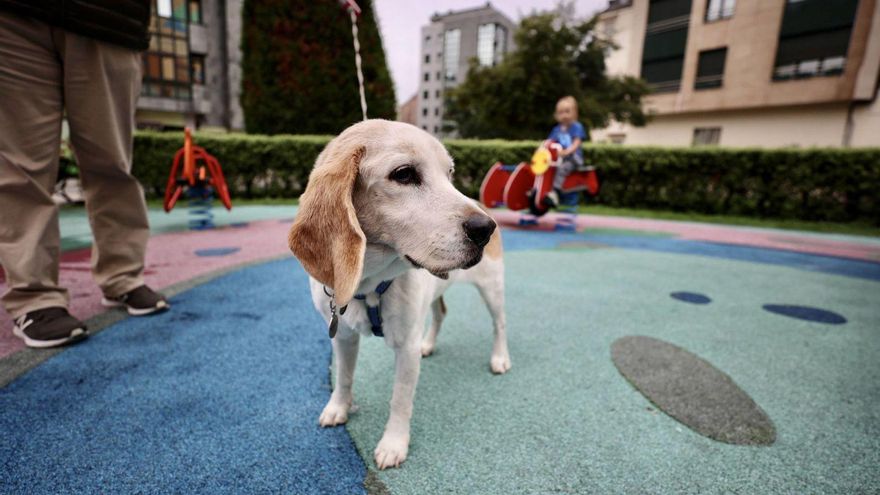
[326,236]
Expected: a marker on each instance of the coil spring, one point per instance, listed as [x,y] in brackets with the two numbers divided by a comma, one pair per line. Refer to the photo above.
[567,212]
[199,203]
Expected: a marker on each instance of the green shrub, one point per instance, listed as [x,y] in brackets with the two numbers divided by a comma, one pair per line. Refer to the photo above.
[808,184]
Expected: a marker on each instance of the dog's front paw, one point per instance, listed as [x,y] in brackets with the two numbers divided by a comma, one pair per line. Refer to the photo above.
[500,363]
[335,413]
[427,348]
[391,451]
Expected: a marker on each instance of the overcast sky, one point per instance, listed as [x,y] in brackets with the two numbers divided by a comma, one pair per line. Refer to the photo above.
[401,22]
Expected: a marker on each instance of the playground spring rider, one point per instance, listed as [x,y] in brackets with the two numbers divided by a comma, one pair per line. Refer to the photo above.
[524,186]
[201,176]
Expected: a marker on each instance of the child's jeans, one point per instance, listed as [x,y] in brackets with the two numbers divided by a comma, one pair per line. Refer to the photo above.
[569,164]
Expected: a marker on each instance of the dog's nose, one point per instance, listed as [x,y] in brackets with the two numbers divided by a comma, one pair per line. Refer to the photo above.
[479,229]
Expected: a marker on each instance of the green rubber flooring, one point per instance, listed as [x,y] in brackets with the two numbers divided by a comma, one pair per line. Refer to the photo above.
[564,420]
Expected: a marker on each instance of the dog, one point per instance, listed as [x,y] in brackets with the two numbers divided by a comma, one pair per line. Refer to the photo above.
[382,233]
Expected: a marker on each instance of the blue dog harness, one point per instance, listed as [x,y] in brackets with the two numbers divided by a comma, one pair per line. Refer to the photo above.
[375,312]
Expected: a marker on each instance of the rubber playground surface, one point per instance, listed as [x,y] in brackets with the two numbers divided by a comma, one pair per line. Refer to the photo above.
[648,357]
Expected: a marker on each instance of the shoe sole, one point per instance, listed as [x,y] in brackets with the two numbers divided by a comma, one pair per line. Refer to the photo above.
[163,306]
[76,335]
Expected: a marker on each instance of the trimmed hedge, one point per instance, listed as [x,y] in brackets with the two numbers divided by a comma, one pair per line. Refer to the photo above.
[808,184]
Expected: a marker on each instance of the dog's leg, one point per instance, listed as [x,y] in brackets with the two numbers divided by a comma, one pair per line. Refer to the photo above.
[345,350]
[493,296]
[393,447]
[438,312]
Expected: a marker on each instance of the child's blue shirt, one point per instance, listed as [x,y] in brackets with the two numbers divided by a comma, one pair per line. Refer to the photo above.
[567,136]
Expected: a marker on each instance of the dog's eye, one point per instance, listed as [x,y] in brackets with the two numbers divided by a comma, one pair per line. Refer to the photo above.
[406,175]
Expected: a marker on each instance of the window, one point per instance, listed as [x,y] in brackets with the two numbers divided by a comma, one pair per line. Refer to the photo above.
[428,58]
[491,39]
[814,38]
[168,71]
[436,129]
[720,9]
[668,10]
[665,41]
[425,94]
[163,8]
[427,77]
[195,11]
[486,45]
[424,112]
[197,62]
[710,69]
[439,76]
[617,138]
[437,94]
[424,128]
[437,112]
[451,47]
[428,38]
[705,136]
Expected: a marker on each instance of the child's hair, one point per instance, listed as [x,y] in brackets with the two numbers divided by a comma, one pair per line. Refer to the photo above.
[569,100]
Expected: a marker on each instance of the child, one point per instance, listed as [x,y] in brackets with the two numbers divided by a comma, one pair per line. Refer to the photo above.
[570,134]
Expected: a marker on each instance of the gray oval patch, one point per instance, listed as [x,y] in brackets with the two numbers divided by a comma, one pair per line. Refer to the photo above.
[692,391]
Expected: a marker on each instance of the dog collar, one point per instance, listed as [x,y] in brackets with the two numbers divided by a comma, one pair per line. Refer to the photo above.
[375,311]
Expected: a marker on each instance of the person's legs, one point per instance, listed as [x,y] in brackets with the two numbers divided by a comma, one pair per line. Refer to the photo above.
[568,165]
[101,86]
[30,137]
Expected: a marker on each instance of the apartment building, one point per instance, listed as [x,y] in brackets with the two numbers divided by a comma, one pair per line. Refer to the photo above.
[448,44]
[767,73]
[192,68]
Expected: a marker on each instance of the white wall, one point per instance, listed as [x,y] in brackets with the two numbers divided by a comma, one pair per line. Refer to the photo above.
[866,124]
[816,125]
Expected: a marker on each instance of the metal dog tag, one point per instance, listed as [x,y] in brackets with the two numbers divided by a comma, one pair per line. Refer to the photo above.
[334,320]
[334,323]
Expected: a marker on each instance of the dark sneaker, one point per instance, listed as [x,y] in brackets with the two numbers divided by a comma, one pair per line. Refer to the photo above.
[139,302]
[551,200]
[49,327]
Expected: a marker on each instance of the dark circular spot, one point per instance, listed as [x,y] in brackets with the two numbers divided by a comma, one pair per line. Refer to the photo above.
[692,391]
[223,251]
[806,313]
[691,297]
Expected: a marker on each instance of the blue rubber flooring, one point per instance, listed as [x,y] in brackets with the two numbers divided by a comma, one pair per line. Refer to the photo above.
[515,240]
[219,395]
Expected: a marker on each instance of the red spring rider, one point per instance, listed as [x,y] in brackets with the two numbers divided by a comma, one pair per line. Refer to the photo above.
[524,186]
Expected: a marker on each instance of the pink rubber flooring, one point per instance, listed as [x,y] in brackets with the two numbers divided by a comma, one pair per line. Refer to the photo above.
[171,259]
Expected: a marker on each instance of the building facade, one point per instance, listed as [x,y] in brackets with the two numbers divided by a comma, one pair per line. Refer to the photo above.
[447,46]
[192,68]
[768,73]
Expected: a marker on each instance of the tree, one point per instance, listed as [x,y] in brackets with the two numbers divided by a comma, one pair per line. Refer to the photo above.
[298,69]
[554,58]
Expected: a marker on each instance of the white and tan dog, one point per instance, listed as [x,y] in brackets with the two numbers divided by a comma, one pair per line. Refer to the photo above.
[380,206]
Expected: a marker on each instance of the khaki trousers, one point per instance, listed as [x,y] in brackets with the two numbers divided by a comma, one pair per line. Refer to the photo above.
[43,72]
